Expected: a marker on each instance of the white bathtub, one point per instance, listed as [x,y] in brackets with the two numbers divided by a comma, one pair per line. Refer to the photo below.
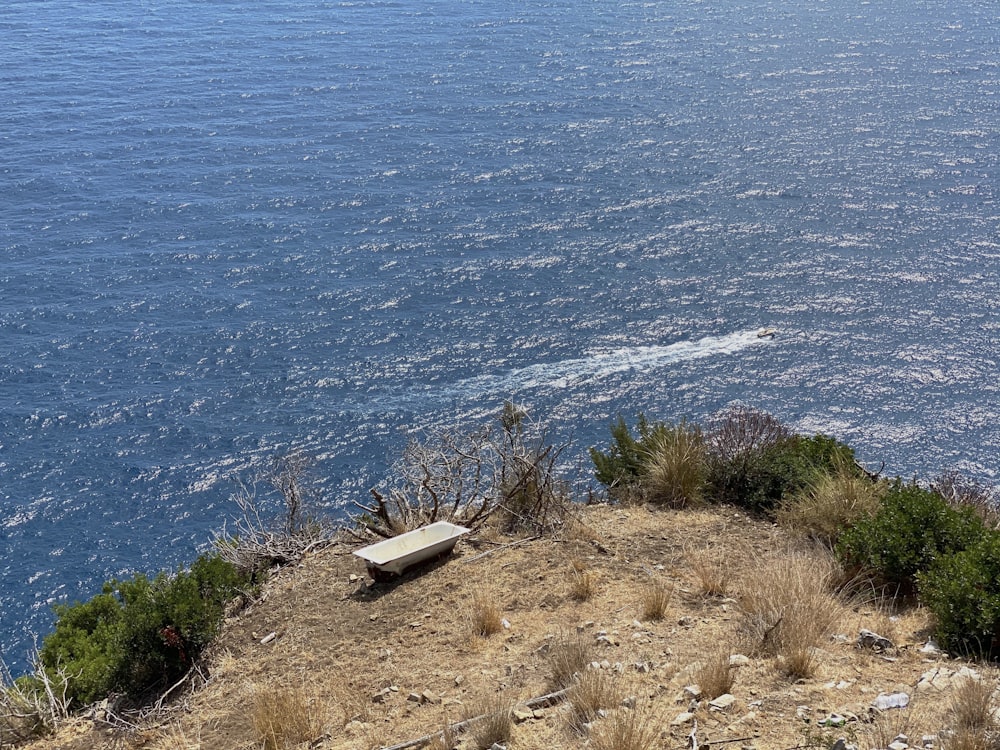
[393,556]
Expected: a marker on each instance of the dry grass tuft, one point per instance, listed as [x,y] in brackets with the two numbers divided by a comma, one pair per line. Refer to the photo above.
[834,502]
[656,598]
[676,467]
[582,581]
[568,657]
[497,723]
[710,570]
[888,725]
[285,717]
[485,617]
[593,691]
[972,712]
[715,676]
[444,741]
[789,608]
[627,729]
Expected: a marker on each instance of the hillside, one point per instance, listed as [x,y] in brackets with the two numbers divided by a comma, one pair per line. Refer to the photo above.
[361,665]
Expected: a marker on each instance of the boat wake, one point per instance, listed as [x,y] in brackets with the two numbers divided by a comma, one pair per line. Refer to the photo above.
[571,373]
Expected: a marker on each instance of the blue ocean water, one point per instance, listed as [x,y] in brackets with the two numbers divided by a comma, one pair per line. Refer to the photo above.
[230,230]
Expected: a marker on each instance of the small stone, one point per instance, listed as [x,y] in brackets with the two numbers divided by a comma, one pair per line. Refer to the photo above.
[459,679]
[686,621]
[354,578]
[873,641]
[723,702]
[522,714]
[833,720]
[739,660]
[428,696]
[898,746]
[803,713]
[629,702]
[692,691]
[506,623]
[928,740]
[414,698]
[885,701]
[681,719]
[605,664]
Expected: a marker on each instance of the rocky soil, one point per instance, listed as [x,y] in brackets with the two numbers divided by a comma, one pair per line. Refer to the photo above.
[355,664]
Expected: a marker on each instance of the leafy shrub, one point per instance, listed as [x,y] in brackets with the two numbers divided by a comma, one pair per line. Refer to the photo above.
[912,528]
[141,634]
[739,440]
[623,465]
[755,462]
[963,592]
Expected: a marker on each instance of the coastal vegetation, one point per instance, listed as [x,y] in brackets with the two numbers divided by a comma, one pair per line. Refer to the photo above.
[862,538]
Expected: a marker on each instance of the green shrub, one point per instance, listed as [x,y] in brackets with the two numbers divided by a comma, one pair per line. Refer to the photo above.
[759,477]
[624,463]
[963,592]
[142,634]
[675,466]
[912,528]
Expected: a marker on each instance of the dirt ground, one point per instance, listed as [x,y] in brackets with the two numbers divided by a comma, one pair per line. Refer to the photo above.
[375,665]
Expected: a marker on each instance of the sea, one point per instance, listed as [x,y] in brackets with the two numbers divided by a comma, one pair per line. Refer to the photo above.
[231,231]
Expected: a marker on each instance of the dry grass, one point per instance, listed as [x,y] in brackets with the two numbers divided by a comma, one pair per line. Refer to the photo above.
[497,723]
[676,467]
[715,675]
[833,503]
[627,729]
[593,691]
[446,740]
[710,570]
[890,724]
[656,598]
[971,708]
[789,608]
[568,657]
[582,581]
[485,616]
[285,717]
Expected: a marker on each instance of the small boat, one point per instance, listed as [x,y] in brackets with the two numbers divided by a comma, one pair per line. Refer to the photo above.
[391,557]
[766,333]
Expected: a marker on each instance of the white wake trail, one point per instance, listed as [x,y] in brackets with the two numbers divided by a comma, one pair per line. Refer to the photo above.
[568,373]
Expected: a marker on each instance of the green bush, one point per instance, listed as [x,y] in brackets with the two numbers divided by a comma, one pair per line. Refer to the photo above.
[963,592]
[140,635]
[912,528]
[761,478]
[623,465]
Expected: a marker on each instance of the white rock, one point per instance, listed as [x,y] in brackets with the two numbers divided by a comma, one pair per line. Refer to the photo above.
[739,660]
[723,702]
[683,718]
